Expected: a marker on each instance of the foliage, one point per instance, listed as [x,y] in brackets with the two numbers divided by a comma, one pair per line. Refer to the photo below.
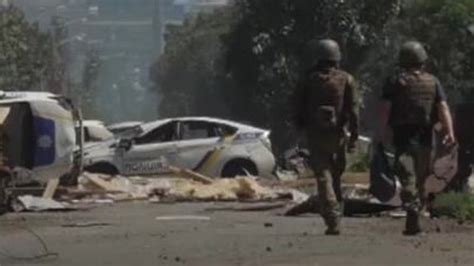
[360,164]
[31,59]
[455,205]
[243,62]
[57,66]
[89,83]
[25,51]
[447,29]
[245,66]
[266,49]
[190,73]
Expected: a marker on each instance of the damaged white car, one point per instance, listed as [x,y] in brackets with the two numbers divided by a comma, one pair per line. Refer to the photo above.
[95,131]
[40,139]
[210,146]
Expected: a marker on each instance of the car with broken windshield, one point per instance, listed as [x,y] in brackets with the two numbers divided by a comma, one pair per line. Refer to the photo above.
[214,147]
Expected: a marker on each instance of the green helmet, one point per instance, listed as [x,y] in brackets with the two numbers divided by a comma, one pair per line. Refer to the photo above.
[412,53]
[323,50]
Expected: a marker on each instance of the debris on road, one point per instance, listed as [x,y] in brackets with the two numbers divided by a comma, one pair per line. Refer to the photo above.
[183,218]
[191,174]
[266,225]
[93,189]
[178,189]
[87,224]
[36,204]
[357,201]
[51,188]
[251,207]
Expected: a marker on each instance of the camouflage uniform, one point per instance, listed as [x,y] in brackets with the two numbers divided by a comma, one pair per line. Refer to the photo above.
[413,94]
[326,102]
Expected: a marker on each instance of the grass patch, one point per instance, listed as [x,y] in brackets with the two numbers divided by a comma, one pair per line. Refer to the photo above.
[361,163]
[455,205]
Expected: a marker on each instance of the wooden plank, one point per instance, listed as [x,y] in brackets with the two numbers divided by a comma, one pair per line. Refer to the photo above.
[107,186]
[191,174]
[51,188]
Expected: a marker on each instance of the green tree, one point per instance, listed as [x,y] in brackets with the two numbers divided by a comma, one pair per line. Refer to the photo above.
[85,92]
[26,53]
[447,29]
[190,75]
[266,49]
[248,68]
[243,61]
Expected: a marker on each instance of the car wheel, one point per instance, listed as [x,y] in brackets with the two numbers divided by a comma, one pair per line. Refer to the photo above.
[102,168]
[239,168]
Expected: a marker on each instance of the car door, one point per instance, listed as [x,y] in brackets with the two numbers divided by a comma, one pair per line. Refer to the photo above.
[152,152]
[197,140]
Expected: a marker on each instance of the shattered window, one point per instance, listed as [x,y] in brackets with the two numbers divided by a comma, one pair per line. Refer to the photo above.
[198,130]
[164,133]
[225,130]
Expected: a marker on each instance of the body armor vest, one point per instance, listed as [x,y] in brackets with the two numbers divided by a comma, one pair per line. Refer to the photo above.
[414,99]
[326,91]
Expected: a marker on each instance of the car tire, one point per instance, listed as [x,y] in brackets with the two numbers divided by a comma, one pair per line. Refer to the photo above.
[102,168]
[240,167]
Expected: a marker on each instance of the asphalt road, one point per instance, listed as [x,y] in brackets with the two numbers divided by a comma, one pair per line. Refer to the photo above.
[130,234]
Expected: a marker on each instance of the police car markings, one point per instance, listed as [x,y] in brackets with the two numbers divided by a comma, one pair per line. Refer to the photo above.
[147,166]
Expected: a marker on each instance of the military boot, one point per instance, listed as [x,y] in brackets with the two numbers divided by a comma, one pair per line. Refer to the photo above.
[332,231]
[412,225]
[333,226]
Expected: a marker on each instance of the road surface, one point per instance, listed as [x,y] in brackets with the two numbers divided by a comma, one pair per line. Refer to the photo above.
[130,234]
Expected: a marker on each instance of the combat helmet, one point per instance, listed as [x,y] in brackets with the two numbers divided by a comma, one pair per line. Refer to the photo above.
[323,50]
[412,53]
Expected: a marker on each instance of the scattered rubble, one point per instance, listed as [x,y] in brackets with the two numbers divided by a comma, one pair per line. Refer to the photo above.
[183,218]
[87,224]
[36,204]
[186,185]
[251,207]
[172,188]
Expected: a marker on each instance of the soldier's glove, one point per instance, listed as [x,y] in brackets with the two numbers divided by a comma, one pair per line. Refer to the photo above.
[351,145]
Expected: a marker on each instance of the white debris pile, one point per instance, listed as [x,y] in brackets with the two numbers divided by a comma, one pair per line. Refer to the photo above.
[119,188]
[36,204]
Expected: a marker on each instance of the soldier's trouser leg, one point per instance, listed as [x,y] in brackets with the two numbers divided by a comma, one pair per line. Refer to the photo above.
[412,166]
[322,164]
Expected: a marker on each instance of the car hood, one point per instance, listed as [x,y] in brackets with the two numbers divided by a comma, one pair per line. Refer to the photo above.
[99,149]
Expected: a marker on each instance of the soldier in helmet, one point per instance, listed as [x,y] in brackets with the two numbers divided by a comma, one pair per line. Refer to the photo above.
[412,101]
[326,104]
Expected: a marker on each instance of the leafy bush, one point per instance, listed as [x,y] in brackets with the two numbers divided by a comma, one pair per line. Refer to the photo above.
[361,163]
[455,205]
